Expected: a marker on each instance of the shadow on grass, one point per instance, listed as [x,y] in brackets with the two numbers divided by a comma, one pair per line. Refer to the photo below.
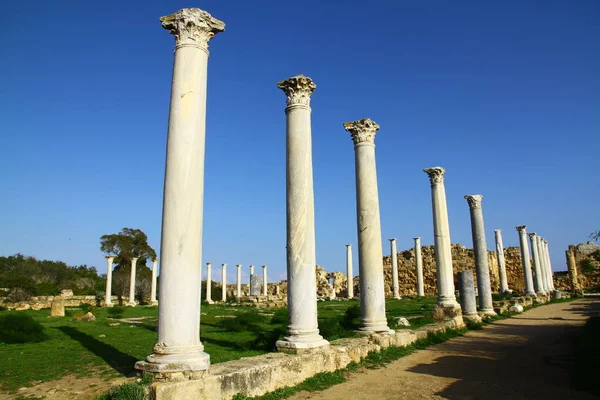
[119,361]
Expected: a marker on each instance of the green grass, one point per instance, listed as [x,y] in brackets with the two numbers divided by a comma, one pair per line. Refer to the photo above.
[79,349]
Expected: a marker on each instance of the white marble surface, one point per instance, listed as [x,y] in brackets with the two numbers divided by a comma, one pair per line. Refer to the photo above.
[153,300]
[538,278]
[394,256]
[419,267]
[349,272]
[132,277]
[527,276]
[108,293]
[501,261]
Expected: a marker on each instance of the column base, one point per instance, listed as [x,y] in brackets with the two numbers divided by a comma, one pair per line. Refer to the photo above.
[195,359]
[446,312]
[154,302]
[397,297]
[369,327]
[210,302]
[473,317]
[109,304]
[131,304]
[488,312]
[295,344]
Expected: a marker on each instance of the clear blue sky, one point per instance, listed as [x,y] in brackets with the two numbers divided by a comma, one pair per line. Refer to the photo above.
[504,95]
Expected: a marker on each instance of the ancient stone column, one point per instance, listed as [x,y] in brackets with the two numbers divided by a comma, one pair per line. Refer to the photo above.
[394,256]
[501,261]
[108,294]
[542,263]
[349,273]
[482,267]
[209,283]
[224,282]
[265,288]
[538,281]
[179,347]
[441,232]
[239,280]
[572,267]
[370,252]
[549,263]
[525,260]
[303,329]
[419,267]
[131,302]
[153,300]
[250,277]
[468,302]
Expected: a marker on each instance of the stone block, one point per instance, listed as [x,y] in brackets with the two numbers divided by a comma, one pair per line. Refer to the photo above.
[57,307]
[255,285]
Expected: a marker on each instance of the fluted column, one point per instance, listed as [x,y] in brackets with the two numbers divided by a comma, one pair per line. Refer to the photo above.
[394,256]
[179,347]
[441,232]
[209,299]
[572,267]
[349,272]
[109,267]
[224,282]
[265,287]
[549,261]
[419,267]
[131,302]
[501,261]
[482,267]
[525,260]
[153,300]
[542,262]
[303,329]
[538,281]
[370,251]
[239,280]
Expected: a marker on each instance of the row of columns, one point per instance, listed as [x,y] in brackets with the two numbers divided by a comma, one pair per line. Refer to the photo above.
[539,280]
[108,293]
[208,292]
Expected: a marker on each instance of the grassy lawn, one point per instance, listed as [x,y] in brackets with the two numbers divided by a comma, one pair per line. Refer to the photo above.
[228,333]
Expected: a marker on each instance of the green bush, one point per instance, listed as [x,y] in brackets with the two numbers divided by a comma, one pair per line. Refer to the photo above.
[20,328]
[128,391]
[587,267]
[351,319]
[116,311]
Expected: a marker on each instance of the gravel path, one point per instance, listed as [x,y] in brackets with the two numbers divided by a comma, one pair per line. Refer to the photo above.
[524,357]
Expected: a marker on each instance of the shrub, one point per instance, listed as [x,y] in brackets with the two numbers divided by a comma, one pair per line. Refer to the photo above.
[351,319]
[587,267]
[86,308]
[116,311]
[128,391]
[20,328]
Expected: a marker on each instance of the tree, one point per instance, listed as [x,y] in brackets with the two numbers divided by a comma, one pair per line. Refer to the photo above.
[124,246]
[595,235]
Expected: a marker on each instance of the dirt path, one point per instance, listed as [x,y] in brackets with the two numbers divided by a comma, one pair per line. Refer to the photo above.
[524,357]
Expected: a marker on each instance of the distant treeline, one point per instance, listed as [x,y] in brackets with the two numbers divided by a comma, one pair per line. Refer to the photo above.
[27,276]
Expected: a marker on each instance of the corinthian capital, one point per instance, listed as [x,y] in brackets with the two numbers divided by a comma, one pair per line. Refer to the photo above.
[297,89]
[192,27]
[436,174]
[521,228]
[363,130]
[474,200]
[533,235]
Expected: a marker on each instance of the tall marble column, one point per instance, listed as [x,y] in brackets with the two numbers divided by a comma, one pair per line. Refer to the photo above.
[303,329]
[209,299]
[538,281]
[542,262]
[525,260]
[265,287]
[109,267]
[349,272]
[250,277]
[549,263]
[370,252]
[419,267]
[131,302]
[572,267]
[179,347]
[153,300]
[394,256]
[239,280]
[441,232]
[224,282]
[482,267]
[501,262]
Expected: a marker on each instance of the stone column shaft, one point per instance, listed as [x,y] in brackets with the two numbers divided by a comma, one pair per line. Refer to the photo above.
[153,300]
[349,272]
[108,294]
[572,267]
[441,231]
[224,282]
[542,262]
[538,281]
[394,256]
[265,287]
[525,260]
[132,282]
[501,262]
[239,280]
[482,267]
[370,251]
[549,263]
[419,267]
[209,283]
[468,302]
[302,330]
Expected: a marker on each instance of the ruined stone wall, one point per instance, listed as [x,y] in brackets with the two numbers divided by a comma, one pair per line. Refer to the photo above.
[587,261]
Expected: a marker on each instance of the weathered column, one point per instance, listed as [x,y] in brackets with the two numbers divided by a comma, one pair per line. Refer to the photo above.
[179,347]
[239,280]
[549,263]
[370,252]
[109,266]
[572,267]
[525,260]
[482,267]
[419,267]
[250,277]
[542,262]
[394,255]
[265,288]
[153,300]
[224,282]
[131,302]
[209,283]
[538,281]
[441,232]
[468,302]
[501,262]
[303,329]
[349,272]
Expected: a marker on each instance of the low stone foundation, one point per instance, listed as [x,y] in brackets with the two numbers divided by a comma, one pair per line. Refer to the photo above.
[502,306]
[255,376]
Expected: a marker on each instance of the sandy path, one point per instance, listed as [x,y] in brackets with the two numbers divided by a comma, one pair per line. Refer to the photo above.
[524,357]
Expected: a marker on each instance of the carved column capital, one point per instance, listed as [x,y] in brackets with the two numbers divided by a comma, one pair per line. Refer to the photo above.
[298,90]
[521,229]
[362,131]
[474,200]
[533,235]
[192,27]
[110,258]
[498,231]
[436,174]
